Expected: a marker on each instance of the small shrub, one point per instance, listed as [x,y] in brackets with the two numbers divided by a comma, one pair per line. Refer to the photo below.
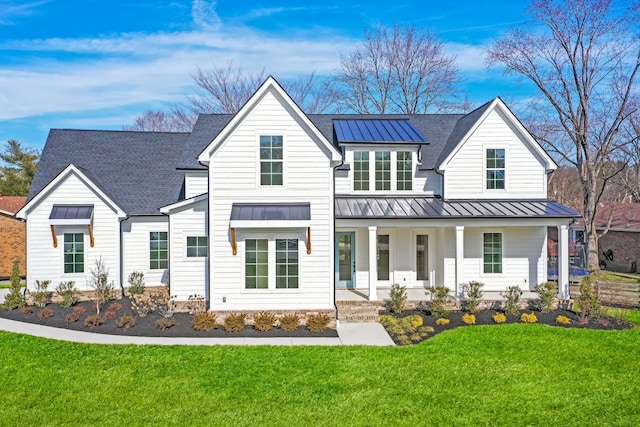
[165,322]
[439,300]
[235,322]
[109,314]
[290,322]
[588,301]
[71,318]
[469,319]
[499,318]
[26,310]
[529,318]
[397,298]
[204,321]
[142,304]
[407,330]
[115,306]
[79,310]
[264,321]
[15,297]
[68,292]
[136,283]
[512,299]
[442,321]
[318,322]
[40,294]
[45,313]
[563,320]
[99,281]
[546,295]
[472,296]
[93,320]
[126,321]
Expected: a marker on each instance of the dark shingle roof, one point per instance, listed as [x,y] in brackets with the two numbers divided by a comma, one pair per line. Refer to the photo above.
[136,169]
[204,131]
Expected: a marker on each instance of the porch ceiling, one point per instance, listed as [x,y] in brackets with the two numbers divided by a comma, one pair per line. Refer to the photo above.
[352,207]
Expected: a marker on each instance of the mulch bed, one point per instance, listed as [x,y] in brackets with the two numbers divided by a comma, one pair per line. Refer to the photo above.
[146,326]
[485,317]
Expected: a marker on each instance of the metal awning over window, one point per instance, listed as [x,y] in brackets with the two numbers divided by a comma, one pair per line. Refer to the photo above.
[270,215]
[71,215]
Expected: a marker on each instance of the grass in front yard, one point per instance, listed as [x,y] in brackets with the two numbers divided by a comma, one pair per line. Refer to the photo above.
[611,276]
[499,375]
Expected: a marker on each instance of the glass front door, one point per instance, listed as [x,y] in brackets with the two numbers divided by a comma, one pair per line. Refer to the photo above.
[345,260]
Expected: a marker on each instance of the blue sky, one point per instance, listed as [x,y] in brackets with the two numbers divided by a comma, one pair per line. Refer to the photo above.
[96,64]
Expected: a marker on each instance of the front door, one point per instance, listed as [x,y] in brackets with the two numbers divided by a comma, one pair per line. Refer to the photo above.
[345,260]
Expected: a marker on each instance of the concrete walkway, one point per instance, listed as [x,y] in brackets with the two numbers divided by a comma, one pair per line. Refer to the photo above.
[372,334]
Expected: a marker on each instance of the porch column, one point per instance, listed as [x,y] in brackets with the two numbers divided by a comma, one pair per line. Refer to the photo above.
[459,257]
[563,262]
[373,263]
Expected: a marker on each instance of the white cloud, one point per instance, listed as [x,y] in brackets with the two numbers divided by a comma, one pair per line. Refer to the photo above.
[204,14]
[10,9]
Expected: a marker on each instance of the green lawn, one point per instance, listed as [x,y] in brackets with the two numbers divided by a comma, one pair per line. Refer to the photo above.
[487,375]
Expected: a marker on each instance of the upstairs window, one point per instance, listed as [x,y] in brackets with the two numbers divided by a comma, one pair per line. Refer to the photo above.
[495,168]
[404,172]
[361,170]
[73,253]
[271,160]
[158,250]
[383,170]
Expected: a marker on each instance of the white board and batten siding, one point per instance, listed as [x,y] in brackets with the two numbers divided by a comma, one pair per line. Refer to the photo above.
[135,248]
[465,175]
[44,262]
[195,183]
[234,178]
[188,274]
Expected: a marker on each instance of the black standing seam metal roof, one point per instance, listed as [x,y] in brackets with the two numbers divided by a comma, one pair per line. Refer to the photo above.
[351,207]
[270,212]
[377,131]
[71,212]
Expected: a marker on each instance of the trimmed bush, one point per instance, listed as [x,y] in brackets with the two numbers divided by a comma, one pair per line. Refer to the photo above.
[264,321]
[205,321]
[136,283]
[499,318]
[397,298]
[318,322]
[529,318]
[165,323]
[45,313]
[71,318]
[469,319]
[472,296]
[235,322]
[68,292]
[512,299]
[15,297]
[126,321]
[442,321]
[563,320]
[290,322]
[93,321]
[439,300]
[546,295]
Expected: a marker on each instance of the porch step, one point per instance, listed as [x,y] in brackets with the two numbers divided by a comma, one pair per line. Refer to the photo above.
[358,313]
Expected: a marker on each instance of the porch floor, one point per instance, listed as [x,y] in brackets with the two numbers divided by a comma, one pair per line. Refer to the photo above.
[413,294]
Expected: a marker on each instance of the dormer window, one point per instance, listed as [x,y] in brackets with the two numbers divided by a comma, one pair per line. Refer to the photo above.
[361,171]
[271,160]
[404,170]
[383,170]
[495,168]
[386,171]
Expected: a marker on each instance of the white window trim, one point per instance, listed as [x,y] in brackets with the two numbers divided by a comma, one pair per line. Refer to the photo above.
[195,258]
[66,229]
[392,255]
[284,160]
[430,263]
[484,169]
[271,247]
[393,170]
[482,233]
[149,251]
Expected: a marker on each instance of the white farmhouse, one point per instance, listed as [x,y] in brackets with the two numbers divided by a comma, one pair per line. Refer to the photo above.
[273,209]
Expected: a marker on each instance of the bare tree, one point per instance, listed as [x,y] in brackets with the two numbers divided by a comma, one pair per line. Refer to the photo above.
[160,121]
[397,70]
[583,57]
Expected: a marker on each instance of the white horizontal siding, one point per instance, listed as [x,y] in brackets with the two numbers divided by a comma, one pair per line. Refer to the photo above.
[234,178]
[135,247]
[44,262]
[188,274]
[465,173]
[195,183]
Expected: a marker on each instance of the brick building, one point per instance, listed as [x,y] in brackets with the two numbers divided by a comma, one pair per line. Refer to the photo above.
[12,235]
